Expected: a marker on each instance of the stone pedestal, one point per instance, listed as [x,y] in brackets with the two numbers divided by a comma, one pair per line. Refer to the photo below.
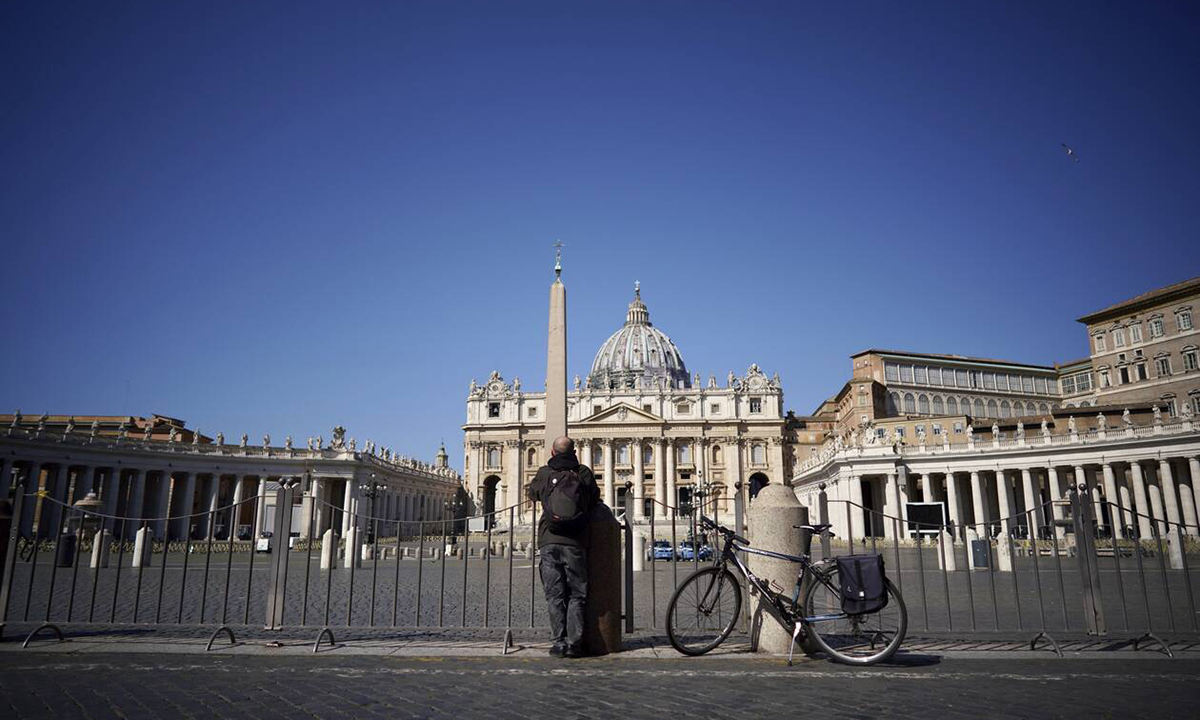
[772,519]
[1174,551]
[639,552]
[352,556]
[142,547]
[1004,553]
[602,616]
[946,559]
[101,549]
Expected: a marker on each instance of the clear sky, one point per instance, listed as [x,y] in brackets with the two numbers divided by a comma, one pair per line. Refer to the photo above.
[278,217]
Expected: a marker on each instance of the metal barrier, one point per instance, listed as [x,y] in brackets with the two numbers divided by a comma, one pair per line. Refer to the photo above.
[1042,571]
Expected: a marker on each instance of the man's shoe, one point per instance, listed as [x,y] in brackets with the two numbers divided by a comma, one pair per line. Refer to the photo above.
[557,650]
[573,651]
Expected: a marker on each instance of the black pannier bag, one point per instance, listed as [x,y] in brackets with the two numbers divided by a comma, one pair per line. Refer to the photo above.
[863,584]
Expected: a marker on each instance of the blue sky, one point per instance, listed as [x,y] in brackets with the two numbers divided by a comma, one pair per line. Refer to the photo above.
[278,217]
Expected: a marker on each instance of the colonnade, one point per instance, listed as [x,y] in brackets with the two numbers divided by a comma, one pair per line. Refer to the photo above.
[1130,496]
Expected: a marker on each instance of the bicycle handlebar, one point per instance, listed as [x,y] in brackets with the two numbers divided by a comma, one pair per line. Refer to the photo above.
[710,525]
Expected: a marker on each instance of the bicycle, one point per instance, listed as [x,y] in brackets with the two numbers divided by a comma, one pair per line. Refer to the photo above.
[814,609]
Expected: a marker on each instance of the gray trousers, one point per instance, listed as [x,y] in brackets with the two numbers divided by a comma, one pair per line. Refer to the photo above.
[564,577]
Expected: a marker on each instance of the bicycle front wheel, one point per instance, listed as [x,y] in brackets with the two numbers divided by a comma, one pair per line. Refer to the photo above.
[703,610]
[853,639]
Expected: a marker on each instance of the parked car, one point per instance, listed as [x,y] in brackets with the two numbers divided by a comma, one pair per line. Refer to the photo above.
[661,550]
[685,552]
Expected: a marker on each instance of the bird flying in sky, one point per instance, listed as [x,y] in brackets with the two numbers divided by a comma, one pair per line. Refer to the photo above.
[1070,153]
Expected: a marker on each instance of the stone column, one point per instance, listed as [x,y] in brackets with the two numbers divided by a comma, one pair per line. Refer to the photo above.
[773,518]
[212,498]
[33,478]
[639,479]
[1143,504]
[1194,474]
[955,503]
[660,479]
[517,484]
[670,493]
[1122,480]
[260,509]
[1054,488]
[1085,493]
[112,493]
[137,495]
[6,473]
[891,498]
[776,445]
[978,502]
[1170,497]
[162,505]
[856,507]
[52,512]
[1004,496]
[735,464]
[184,488]
[556,363]
[610,487]
[1110,492]
[307,507]
[1187,505]
[235,514]
[1033,502]
[84,482]
[926,487]
[347,496]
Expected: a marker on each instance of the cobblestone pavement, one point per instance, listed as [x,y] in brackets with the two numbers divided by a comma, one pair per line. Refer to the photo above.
[155,686]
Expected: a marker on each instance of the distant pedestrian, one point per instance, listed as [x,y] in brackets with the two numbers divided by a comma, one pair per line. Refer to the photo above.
[567,492]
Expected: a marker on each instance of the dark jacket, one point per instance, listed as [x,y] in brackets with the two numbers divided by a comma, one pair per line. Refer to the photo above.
[540,485]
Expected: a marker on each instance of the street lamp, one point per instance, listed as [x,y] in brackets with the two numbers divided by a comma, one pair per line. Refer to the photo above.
[370,490]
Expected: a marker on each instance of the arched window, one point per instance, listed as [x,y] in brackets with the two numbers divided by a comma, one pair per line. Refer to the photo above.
[758,454]
[978,408]
[685,454]
[923,404]
[530,457]
[1005,410]
[716,455]
[951,406]
[992,410]
[938,407]
[893,403]
[910,403]
[647,455]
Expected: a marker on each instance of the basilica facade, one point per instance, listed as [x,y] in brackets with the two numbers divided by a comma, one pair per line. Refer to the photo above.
[641,422]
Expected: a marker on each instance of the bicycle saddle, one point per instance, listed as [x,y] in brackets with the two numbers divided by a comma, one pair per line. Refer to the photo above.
[816,529]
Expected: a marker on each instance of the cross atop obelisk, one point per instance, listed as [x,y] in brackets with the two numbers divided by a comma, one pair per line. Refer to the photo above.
[556,356]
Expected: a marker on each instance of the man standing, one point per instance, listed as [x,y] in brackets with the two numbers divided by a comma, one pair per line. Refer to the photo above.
[567,492]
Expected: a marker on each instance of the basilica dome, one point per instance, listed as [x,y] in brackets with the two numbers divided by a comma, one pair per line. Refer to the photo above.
[638,355]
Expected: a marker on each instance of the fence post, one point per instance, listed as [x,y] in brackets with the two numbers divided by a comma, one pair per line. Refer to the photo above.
[629,558]
[823,518]
[279,554]
[1085,552]
[11,534]
[738,509]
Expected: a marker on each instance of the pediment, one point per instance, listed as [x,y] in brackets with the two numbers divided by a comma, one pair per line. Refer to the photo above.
[623,413]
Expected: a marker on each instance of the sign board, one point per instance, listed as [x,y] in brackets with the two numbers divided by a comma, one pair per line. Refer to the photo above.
[477,524]
[930,517]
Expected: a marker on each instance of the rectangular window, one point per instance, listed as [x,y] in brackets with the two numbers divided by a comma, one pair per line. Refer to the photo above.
[647,408]
[714,408]
[1068,385]
[961,377]
[891,371]
[1170,407]
[1163,365]
[1156,328]
[755,405]
[1135,333]
[922,374]
[1141,372]
[906,373]
[989,381]
[493,410]
[1083,383]
[1123,373]
[1041,384]
[1189,360]
[919,429]
[684,408]
[1100,344]
[900,432]
[1104,379]
[1184,319]
[958,427]
[597,408]
[1027,383]
[532,412]
[1119,337]
[937,429]
[935,376]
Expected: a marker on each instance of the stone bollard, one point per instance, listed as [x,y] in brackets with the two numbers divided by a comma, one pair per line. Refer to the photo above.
[1004,553]
[639,552]
[946,559]
[1174,551]
[329,543]
[772,517]
[602,614]
[101,549]
[143,543]
[368,552]
[503,550]
[352,553]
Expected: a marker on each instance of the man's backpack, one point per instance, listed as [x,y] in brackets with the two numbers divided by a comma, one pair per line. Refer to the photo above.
[863,584]
[565,502]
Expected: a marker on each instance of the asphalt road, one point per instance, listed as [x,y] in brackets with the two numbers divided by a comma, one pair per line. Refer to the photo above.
[134,686]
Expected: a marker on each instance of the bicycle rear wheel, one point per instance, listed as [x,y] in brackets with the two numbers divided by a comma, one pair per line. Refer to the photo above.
[853,639]
[703,610]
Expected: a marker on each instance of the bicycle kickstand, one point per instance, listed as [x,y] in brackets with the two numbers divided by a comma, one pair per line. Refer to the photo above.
[792,647]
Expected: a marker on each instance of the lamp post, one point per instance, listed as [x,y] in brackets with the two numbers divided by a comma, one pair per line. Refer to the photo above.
[370,490]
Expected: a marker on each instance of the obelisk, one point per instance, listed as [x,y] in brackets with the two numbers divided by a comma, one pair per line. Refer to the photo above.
[556,357]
